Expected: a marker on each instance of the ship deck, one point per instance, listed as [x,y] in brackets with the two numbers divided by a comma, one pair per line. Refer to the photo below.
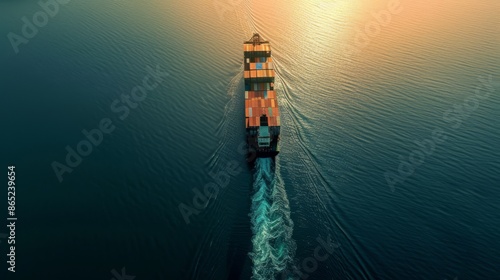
[261,104]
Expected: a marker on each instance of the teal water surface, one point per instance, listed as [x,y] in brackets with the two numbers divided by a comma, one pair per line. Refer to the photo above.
[389,163]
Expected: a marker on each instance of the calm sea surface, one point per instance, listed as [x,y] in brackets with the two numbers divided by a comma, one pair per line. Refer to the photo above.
[390,140]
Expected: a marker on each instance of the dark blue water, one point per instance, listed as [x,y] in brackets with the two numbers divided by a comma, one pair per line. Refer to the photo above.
[389,163]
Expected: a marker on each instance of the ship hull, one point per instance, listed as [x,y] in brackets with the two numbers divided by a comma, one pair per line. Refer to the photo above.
[255,152]
[262,115]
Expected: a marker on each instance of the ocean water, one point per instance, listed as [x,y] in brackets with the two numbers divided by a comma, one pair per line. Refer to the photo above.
[389,165]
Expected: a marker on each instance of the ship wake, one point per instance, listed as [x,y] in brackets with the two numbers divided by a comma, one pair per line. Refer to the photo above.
[273,246]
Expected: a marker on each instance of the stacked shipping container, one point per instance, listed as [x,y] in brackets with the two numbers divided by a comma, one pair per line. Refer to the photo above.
[260,97]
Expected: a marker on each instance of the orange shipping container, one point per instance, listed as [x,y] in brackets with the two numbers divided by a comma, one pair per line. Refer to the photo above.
[276,111]
[261,111]
[272,121]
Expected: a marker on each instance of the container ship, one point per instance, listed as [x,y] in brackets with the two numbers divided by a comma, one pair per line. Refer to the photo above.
[262,115]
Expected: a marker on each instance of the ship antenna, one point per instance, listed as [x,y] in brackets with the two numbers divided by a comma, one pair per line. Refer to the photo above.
[256,39]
